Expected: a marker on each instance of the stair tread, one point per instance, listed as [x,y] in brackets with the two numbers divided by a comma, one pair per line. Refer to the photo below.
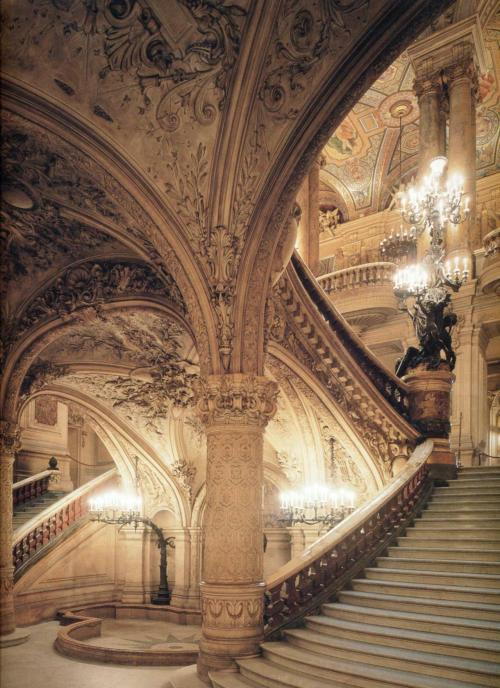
[227,679]
[421,656]
[460,604]
[407,679]
[395,632]
[414,616]
[436,561]
[421,586]
[460,576]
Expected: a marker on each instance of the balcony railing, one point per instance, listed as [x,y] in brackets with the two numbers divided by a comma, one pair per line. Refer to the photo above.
[490,275]
[44,528]
[31,488]
[368,274]
[311,579]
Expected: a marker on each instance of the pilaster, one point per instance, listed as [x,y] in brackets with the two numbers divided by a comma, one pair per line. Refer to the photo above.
[9,445]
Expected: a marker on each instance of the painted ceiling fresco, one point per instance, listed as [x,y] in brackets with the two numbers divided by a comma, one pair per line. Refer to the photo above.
[362,158]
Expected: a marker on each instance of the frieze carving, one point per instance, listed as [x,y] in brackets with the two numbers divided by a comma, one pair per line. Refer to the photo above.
[290,466]
[92,284]
[40,374]
[46,410]
[224,613]
[236,398]
[185,472]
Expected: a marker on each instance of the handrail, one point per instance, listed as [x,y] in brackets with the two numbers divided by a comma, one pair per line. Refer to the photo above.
[311,578]
[388,384]
[50,523]
[357,276]
[31,487]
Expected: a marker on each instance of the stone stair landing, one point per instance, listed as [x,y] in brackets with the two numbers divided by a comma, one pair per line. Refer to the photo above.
[425,615]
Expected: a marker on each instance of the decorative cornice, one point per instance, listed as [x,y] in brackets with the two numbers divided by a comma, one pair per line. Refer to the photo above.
[236,398]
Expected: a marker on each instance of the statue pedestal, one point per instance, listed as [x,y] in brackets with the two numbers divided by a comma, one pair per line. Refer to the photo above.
[429,395]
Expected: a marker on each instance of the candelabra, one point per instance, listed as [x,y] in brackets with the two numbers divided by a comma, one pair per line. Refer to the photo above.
[432,207]
[314,504]
[123,509]
[399,247]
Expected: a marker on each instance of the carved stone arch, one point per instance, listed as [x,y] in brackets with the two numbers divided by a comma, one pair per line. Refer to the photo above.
[122,438]
[199,505]
[321,110]
[379,474]
[157,231]
[38,339]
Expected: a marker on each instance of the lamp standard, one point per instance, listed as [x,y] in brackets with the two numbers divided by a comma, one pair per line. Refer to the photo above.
[122,509]
[428,285]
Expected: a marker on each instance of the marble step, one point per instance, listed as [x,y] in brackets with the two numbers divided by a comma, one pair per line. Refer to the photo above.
[471,543]
[457,488]
[466,482]
[426,623]
[460,515]
[386,656]
[437,643]
[467,521]
[465,502]
[422,530]
[481,471]
[464,580]
[225,679]
[444,565]
[434,606]
[411,550]
[440,592]
[323,661]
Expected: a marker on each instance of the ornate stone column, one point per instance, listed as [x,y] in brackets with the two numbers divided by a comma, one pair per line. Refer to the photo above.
[432,131]
[429,91]
[308,231]
[235,409]
[9,445]
[462,87]
[429,410]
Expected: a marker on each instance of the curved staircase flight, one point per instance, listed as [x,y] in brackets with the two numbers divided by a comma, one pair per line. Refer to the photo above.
[426,614]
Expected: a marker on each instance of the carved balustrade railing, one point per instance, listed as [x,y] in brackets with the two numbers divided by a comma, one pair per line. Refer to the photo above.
[44,528]
[391,387]
[306,582]
[32,487]
[491,243]
[368,274]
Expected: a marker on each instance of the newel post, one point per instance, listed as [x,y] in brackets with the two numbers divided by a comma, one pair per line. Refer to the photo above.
[430,411]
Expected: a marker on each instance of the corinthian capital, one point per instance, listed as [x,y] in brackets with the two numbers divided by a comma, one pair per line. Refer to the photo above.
[10,438]
[425,84]
[236,398]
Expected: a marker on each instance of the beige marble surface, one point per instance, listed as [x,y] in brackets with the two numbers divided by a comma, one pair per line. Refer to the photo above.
[36,664]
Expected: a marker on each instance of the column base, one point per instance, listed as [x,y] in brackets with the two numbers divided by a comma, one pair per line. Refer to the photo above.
[17,637]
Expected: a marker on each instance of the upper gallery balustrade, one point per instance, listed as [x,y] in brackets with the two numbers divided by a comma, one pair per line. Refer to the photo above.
[490,276]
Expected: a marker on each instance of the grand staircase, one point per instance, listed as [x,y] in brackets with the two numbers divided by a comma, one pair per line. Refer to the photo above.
[426,615]
[25,512]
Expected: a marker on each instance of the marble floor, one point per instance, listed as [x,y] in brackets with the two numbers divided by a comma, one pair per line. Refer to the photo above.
[137,634]
[35,664]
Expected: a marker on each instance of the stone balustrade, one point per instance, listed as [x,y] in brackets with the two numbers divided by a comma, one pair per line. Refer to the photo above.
[490,276]
[358,276]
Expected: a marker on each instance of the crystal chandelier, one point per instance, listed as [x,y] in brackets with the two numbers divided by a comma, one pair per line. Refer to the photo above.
[315,503]
[432,207]
[124,508]
[397,248]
